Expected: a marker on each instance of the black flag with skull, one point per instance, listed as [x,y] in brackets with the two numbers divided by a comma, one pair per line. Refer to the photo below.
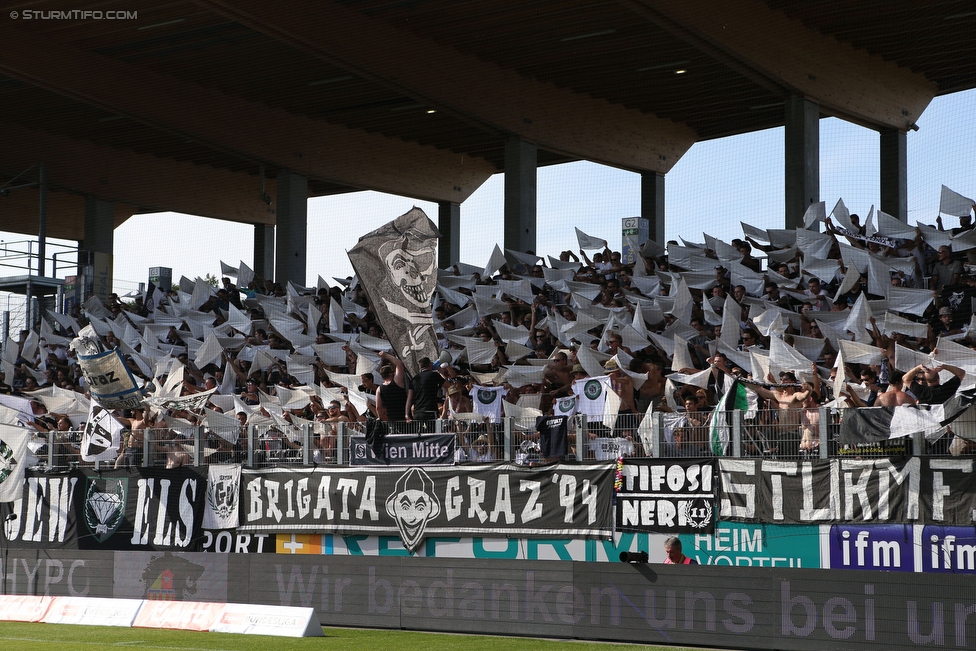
[397,265]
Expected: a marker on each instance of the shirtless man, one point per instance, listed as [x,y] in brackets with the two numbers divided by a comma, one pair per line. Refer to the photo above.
[810,423]
[652,391]
[623,386]
[137,423]
[787,399]
[328,435]
[895,395]
[558,372]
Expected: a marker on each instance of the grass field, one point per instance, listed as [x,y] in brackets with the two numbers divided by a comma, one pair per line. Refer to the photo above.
[53,637]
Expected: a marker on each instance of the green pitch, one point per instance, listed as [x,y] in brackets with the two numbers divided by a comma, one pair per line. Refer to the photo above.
[51,637]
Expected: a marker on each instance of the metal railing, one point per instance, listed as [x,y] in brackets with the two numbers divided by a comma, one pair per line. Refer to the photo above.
[773,434]
[24,256]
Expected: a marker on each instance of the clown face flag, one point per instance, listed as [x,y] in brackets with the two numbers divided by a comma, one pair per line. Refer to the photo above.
[102,437]
[397,265]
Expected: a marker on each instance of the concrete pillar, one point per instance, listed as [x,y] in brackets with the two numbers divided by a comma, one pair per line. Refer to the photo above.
[291,234]
[652,205]
[802,158]
[449,224]
[521,159]
[100,242]
[894,173]
[264,250]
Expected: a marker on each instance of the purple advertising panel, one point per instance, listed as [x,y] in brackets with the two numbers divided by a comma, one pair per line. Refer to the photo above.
[889,547]
[948,549]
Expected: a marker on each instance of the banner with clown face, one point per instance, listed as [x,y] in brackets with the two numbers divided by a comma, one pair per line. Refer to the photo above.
[397,265]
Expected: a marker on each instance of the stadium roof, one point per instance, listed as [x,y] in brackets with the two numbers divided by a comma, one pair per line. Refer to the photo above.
[184,105]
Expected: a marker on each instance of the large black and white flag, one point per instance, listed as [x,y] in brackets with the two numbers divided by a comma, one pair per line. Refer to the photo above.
[103,436]
[109,379]
[397,265]
[14,459]
[874,424]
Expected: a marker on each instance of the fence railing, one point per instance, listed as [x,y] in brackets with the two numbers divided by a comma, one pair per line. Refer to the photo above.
[773,434]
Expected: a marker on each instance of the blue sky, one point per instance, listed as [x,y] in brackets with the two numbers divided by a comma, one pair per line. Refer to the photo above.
[711,189]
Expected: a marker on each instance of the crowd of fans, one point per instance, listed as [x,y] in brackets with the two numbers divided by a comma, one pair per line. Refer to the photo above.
[847,315]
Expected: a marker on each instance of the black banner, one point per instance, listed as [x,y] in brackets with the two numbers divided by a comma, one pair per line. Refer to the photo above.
[500,499]
[145,508]
[667,496]
[916,490]
[404,450]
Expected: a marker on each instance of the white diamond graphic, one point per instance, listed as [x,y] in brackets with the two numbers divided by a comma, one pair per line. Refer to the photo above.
[104,505]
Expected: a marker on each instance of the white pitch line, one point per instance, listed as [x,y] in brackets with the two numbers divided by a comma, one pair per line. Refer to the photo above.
[102,644]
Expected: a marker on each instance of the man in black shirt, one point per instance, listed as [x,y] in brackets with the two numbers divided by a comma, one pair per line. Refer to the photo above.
[392,397]
[426,389]
[553,434]
[927,388]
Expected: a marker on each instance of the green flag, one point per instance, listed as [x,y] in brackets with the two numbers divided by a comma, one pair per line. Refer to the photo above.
[734,399]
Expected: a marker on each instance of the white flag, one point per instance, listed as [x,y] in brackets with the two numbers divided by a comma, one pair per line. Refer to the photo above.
[953,203]
[815,212]
[103,436]
[588,242]
[495,262]
[222,496]
[14,459]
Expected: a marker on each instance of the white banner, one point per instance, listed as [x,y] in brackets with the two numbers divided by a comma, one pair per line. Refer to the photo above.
[14,459]
[103,436]
[221,511]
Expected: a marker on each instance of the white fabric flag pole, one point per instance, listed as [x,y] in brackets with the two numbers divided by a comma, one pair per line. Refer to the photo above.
[683,302]
[934,237]
[495,262]
[888,226]
[906,299]
[336,316]
[953,203]
[842,215]
[860,353]
[907,359]
[588,243]
[850,279]
[815,212]
[964,241]
[783,357]
[228,385]
[201,293]
[244,276]
[731,317]
[895,324]
[528,259]
[210,351]
[814,244]
[857,322]
[699,379]
[869,228]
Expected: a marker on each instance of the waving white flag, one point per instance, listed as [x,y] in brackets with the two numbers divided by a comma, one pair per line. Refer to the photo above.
[588,242]
[953,203]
